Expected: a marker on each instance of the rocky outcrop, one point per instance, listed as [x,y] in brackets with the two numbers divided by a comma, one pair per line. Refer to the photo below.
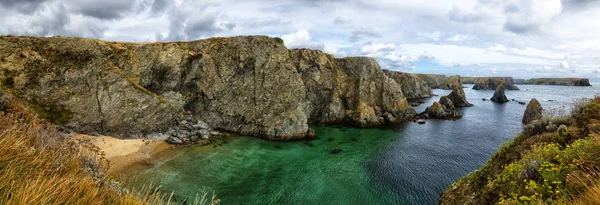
[491,83]
[499,96]
[458,97]
[444,109]
[439,81]
[559,81]
[247,85]
[533,111]
[413,87]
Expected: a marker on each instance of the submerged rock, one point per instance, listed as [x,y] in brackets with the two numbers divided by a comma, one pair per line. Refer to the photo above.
[532,112]
[499,96]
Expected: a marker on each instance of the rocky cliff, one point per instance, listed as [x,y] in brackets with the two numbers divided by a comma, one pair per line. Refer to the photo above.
[413,87]
[559,81]
[248,85]
[553,161]
[491,83]
[440,81]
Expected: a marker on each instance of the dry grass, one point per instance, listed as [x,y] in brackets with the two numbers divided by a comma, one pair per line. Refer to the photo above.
[39,165]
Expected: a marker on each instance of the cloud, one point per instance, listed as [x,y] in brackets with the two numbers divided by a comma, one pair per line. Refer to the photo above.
[339,20]
[24,6]
[460,15]
[298,39]
[105,9]
[362,33]
[577,5]
[564,64]
[389,56]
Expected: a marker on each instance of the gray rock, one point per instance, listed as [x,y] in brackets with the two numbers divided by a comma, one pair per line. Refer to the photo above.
[174,140]
[157,136]
[413,87]
[201,125]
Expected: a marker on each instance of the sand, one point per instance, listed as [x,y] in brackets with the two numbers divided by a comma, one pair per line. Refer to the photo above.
[121,153]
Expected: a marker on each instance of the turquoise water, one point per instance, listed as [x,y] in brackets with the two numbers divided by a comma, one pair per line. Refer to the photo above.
[397,164]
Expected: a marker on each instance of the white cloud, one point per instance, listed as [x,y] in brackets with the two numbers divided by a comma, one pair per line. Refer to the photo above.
[564,64]
[298,39]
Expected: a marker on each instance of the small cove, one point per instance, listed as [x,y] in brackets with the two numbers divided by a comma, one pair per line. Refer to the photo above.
[397,164]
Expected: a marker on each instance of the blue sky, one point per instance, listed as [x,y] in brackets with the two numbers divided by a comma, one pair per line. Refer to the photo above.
[521,38]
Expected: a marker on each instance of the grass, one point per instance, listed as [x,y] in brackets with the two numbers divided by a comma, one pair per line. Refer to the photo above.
[554,161]
[40,165]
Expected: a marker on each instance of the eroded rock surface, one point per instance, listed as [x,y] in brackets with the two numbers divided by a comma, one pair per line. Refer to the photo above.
[248,85]
[444,109]
[413,87]
[458,97]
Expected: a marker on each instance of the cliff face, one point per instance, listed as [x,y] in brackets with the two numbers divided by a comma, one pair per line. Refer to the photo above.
[248,85]
[440,81]
[559,81]
[413,87]
[491,83]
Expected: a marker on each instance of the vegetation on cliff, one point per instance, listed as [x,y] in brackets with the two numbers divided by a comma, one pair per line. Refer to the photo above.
[40,165]
[491,83]
[554,161]
[559,81]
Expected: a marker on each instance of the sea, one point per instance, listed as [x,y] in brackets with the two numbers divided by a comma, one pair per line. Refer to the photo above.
[406,163]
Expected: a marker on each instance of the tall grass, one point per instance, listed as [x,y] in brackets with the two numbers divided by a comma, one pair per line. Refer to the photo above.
[39,165]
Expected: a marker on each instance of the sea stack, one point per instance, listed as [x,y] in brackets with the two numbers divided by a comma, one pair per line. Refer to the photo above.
[457,96]
[444,109]
[533,111]
[499,96]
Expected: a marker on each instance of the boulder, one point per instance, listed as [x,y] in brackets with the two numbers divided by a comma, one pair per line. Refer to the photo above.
[457,96]
[532,112]
[499,96]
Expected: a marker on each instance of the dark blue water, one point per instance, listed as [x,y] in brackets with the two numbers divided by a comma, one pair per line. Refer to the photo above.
[399,164]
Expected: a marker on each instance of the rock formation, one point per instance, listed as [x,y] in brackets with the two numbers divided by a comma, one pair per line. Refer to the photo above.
[499,95]
[533,111]
[491,83]
[248,85]
[413,87]
[444,109]
[439,81]
[559,81]
[457,96]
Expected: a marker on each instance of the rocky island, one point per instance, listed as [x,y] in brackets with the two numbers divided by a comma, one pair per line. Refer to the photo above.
[559,81]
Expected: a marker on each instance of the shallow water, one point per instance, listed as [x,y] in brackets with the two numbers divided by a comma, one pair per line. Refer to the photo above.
[398,164]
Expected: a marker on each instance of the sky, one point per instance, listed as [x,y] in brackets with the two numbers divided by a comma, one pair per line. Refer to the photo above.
[519,38]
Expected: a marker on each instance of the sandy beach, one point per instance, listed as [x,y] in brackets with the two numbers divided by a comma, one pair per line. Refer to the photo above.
[124,152]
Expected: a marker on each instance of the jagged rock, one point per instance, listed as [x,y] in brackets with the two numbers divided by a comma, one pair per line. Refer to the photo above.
[491,83]
[249,85]
[499,95]
[174,140]
[4,101]
[457,96]
[533,111]
[413,87]
[483,99]
[444,109]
